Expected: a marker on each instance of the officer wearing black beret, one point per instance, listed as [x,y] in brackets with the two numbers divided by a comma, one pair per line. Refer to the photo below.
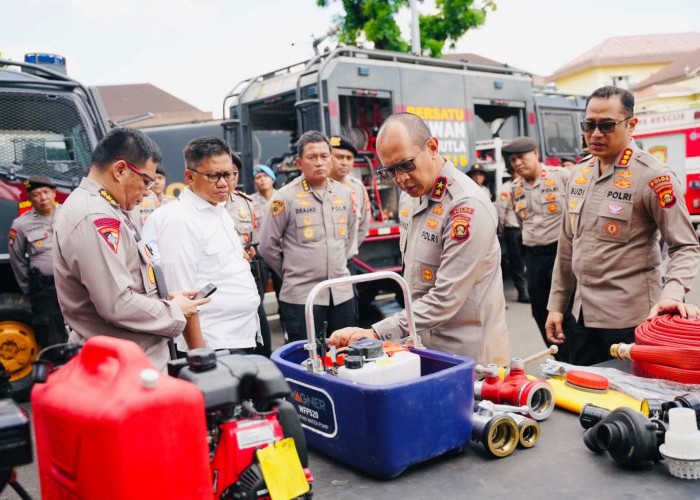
[538,201]
[31,259]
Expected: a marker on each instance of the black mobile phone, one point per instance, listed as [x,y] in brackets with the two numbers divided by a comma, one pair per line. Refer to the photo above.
[206,291]
[251,244]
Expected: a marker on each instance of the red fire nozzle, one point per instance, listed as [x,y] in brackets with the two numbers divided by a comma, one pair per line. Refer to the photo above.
[516,388]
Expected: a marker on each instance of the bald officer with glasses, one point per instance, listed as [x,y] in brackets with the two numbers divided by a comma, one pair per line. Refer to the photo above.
[106,281]
[451,255]
[617,205]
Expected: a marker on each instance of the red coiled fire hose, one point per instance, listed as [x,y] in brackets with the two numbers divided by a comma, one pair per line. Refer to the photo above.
[667,346]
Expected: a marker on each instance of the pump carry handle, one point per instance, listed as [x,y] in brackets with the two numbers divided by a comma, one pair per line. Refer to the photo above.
[314,363]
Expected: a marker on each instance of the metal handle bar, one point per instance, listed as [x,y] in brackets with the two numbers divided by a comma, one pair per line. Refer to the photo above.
[314,364]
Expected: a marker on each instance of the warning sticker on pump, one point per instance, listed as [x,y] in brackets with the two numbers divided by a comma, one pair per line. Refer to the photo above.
[315,408]
[255,436]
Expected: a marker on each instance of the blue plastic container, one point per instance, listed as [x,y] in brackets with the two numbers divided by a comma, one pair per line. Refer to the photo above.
[382,430]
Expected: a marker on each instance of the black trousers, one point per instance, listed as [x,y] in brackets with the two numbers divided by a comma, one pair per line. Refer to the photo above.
[512,236]
[47,318]
[337,315]
[540,264]
[588,346]
[354,270]
[265,349]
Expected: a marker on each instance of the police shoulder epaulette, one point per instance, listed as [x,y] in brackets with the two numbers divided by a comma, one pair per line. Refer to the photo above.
[649,160]
[243,195]
[585,159]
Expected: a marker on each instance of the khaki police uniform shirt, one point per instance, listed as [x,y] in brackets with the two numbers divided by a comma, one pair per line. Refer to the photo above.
[31,243]
[609,244]
[360,200]
[241,209]
[452,263]
[306,239]
[104,276]
[504,207]
[539,206]
[143,210]
[260,205]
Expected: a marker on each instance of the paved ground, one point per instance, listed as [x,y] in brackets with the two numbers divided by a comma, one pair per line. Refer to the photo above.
[524,336]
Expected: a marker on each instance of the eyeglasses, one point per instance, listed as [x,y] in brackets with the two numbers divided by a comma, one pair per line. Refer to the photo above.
[589,126]
[228,176]
[147,179]
[405,166]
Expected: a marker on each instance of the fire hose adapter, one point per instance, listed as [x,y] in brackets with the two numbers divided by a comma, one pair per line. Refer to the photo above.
[632,439]
[682,444]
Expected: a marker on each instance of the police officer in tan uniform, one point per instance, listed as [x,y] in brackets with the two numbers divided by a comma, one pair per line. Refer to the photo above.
[538,202]
[241,208]
[342,162]
[106,281]
[618,203]
[478,175]
[306,239]
[159,188]
[509,225]
[451,255]
[31,259]
[264,181]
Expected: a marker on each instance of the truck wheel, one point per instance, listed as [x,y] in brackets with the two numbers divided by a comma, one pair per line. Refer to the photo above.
[18,347]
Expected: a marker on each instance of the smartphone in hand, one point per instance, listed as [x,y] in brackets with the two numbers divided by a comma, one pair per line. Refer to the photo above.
[206,291]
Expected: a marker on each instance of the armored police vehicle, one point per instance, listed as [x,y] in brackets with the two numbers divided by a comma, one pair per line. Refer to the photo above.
[49,124]
[471,108]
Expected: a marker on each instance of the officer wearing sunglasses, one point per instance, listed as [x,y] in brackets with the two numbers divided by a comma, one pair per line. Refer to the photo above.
[617,203]
[450,250]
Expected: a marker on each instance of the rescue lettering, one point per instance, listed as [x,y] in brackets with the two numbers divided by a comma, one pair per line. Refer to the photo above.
[617,195]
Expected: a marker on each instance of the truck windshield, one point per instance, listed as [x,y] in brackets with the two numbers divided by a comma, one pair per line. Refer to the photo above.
[561,134]
[42,134]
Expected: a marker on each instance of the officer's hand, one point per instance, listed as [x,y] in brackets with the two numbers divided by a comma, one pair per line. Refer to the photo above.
[672,306]
[555,327]
[187,303]
[251,253]
[346,336]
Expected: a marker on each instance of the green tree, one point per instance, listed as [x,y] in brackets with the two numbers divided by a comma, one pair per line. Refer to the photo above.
[376,19]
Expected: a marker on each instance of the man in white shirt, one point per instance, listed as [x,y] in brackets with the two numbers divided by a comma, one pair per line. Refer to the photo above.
[198,244]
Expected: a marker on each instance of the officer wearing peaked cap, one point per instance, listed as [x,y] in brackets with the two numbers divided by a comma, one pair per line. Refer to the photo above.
[342,163]
[478,175]
[538,202]
[617,205]
[31,259]
[451,255]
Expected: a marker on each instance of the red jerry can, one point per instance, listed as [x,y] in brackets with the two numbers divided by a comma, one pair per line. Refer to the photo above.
[109,426]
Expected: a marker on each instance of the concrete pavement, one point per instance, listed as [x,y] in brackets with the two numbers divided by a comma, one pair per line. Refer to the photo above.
[524,336]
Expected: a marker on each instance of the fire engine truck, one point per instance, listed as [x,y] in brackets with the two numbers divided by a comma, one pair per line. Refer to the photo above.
[674,138]
[49,125]
[473,109]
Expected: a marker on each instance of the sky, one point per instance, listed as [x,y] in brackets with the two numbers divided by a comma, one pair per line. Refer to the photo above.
[198,50]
